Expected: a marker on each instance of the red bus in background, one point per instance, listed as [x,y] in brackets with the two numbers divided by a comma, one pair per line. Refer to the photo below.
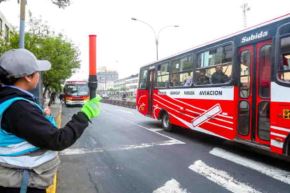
[236,88]
[76,92]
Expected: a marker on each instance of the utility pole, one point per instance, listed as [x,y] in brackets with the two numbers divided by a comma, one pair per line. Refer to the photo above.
[245,7]
[105,79]
[22,23]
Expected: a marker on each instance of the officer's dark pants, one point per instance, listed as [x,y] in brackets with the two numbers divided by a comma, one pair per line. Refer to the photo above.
[17,190]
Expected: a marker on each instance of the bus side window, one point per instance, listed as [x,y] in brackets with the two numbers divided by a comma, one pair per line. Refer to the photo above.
[265,71]
[181,74]
[162,75]
[284,66]
[216,64]
[245,61]
[143,79]
[201,77]
[286,62]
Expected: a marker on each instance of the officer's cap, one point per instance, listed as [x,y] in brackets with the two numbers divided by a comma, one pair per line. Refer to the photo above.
[21,62]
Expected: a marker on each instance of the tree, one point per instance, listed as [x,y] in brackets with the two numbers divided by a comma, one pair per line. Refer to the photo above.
[63,57]
[62,54]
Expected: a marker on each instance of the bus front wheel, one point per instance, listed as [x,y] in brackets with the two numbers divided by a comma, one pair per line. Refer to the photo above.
[166,125]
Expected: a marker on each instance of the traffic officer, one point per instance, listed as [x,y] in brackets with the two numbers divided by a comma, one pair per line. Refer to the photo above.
[28,140]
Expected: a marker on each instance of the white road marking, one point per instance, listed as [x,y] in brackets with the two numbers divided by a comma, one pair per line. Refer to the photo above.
[148,129]
[80,151]
[278,174]
[171,186]
[155,129]
[221,178]
[171,141]
[123,111]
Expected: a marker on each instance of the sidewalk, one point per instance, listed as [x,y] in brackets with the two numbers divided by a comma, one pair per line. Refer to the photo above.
[56,111]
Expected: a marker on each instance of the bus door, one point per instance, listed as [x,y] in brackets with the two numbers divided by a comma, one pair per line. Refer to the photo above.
[254,93]
[151,79]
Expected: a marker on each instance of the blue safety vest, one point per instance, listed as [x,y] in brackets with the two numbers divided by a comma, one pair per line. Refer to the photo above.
[15,151]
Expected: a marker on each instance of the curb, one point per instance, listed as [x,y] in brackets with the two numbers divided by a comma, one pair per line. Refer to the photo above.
[52,188]
[127,104]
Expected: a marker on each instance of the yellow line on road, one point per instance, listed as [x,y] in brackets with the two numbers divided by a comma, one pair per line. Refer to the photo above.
[52,188]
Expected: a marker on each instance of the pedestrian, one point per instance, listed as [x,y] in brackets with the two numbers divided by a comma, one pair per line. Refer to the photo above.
[61,97]
[124,96]
[52,98]
[28,140]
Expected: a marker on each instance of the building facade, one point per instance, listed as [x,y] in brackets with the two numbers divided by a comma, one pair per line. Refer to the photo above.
[126,87]
[106,80]
[131,84]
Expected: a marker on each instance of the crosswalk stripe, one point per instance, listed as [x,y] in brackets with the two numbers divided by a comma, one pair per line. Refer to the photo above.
[278,174]
[171,186]
[221,178]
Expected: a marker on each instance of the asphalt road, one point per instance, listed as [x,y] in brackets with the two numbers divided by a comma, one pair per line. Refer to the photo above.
[125,152]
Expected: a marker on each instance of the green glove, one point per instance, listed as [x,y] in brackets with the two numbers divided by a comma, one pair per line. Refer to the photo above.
[92,107]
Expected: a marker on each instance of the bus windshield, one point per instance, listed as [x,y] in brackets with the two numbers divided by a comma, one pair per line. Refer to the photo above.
[77,89]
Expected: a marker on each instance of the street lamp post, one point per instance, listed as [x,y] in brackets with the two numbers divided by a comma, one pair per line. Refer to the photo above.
[156,34]
[22,23]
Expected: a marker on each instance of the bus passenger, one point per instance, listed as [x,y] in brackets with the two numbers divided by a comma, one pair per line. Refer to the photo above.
[202,78]
[189,81]
[219,76]
[174,81]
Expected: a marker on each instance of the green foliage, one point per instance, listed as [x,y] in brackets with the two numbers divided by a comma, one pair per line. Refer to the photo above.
[63,57]
[62,54]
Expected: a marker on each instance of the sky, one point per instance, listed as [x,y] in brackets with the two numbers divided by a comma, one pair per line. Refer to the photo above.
[125,45]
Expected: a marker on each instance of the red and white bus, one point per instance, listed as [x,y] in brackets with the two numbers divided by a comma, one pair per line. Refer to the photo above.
[236,88]
[76,92]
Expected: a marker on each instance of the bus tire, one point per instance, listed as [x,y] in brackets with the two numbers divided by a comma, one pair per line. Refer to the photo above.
[286,147]
[166,125]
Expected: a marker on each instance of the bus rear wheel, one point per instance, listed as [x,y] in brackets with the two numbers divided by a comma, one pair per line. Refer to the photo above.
[287,146]
[166,125]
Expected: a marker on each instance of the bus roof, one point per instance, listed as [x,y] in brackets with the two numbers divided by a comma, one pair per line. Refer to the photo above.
[226,37]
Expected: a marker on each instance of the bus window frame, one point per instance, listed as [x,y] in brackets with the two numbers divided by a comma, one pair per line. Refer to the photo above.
[258,75]
[168,62]
[278,55]
[139,82]
[280,58]
[208,48]
[186,55]
[248,75]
